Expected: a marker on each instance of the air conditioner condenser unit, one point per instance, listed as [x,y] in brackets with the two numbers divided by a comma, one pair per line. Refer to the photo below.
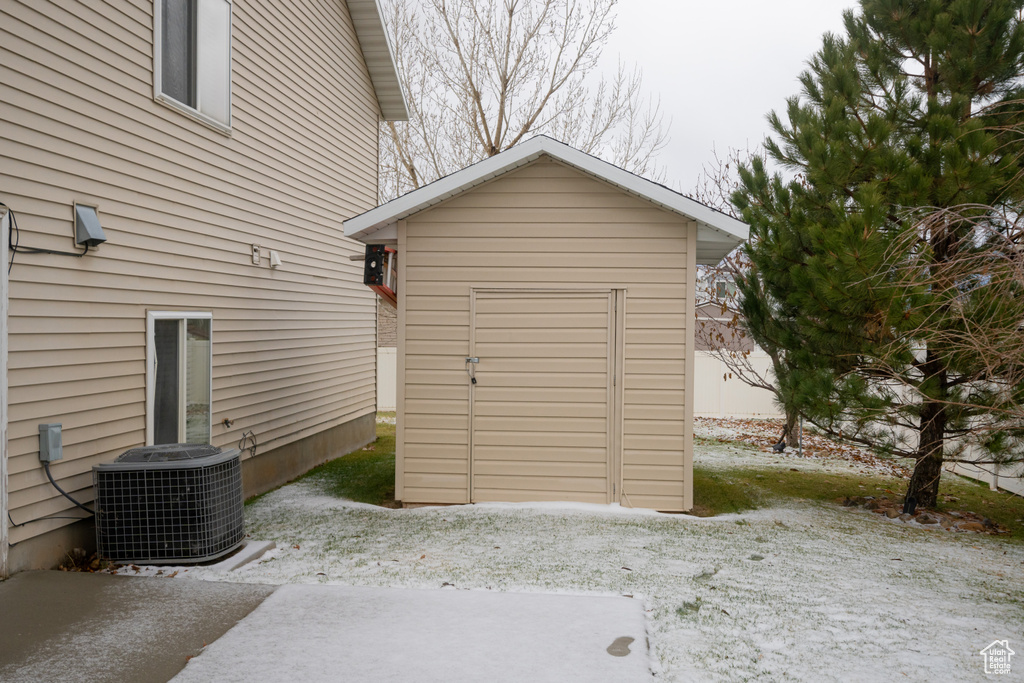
[169,504]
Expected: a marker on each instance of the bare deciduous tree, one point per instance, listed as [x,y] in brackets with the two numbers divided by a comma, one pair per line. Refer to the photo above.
[720,329]
[483,75]
[975,324]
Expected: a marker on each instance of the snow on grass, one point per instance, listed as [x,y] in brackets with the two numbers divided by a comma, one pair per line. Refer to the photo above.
[829,586]
[747,442]
[796,592]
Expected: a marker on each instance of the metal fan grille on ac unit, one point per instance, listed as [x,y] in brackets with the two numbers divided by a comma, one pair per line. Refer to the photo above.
[161,508]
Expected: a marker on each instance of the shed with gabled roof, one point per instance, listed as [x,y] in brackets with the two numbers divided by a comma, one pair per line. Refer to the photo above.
[545,330]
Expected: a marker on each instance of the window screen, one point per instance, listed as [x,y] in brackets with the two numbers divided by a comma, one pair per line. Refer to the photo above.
[178,51]
[165,397]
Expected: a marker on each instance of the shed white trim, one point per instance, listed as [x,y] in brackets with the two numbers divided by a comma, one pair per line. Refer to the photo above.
[380,58]
[717,233]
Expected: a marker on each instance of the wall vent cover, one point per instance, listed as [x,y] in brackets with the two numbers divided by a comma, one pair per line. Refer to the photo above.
[169,503]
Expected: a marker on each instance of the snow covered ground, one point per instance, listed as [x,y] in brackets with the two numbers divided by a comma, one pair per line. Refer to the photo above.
[802,593]
[820,452]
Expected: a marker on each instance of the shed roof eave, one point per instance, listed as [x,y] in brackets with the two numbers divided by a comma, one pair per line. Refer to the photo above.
[384,235]
[714,225]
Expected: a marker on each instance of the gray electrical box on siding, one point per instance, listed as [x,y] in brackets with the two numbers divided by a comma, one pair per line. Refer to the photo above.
[50,445]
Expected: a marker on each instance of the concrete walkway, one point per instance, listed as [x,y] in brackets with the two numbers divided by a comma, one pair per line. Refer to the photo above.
[58,626]
[65,626]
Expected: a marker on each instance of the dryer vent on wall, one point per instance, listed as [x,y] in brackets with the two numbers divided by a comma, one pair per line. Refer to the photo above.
[169,503]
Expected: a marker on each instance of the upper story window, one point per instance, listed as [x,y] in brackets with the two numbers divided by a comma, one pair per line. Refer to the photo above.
[193,57]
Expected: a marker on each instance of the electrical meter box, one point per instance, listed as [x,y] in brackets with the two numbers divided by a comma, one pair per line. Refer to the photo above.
[50,446]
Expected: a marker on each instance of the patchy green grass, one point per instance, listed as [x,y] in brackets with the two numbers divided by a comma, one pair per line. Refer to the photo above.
[366,475]
[722,491]
[719,491]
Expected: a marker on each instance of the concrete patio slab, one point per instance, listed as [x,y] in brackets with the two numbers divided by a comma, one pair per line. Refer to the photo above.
[329,633]
[65,626]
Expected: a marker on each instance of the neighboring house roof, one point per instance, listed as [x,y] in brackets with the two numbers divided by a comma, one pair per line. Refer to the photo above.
[717,233]
[380,59]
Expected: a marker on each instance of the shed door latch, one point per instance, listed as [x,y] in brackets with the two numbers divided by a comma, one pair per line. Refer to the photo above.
[470,362]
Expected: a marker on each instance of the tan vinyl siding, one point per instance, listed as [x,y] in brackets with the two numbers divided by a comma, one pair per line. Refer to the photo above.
[547,226]
[181,203]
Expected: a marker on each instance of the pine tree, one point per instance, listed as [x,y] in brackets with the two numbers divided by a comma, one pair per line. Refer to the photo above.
[902,116]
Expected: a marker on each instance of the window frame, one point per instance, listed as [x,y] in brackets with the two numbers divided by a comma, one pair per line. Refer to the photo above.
[167,100]
[151,318]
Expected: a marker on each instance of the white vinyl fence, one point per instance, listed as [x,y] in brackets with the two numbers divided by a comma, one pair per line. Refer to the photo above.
[387,378]
[717,394]
[1008,477]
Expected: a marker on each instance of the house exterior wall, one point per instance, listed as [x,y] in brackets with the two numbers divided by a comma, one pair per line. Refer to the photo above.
[387,325]
[181,204]
[545,226]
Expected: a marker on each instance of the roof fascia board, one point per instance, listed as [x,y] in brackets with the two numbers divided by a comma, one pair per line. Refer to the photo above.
[653,192]
[440,190]
[368,21]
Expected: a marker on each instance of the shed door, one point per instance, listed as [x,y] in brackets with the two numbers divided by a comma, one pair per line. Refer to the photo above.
[542,413]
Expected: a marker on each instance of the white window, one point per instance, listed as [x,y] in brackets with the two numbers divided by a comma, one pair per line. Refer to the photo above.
[192,57]
[178,377]
[725,289]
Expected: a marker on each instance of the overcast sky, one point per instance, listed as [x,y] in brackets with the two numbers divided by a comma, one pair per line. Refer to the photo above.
[718,67]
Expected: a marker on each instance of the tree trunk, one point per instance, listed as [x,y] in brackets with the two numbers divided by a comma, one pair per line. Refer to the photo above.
[784,397]
[924,482]
[792,429]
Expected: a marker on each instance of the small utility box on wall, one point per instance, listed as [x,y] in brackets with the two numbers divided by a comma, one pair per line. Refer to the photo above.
[51,447]
[546,305]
